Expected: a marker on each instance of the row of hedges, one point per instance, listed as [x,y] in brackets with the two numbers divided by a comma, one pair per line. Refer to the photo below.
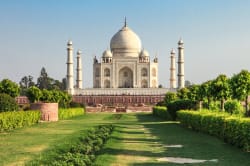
[161,112]
[13,120]
[69,113]
[84,152]
[232,129]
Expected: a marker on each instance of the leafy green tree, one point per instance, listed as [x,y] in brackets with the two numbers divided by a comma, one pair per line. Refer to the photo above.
[7,103]
[205,92]
[9,87]
[183,93]
[169,97]
[34,94]
[240,84]
[221,89]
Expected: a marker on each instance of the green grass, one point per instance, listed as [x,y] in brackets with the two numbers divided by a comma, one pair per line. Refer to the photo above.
[138,139]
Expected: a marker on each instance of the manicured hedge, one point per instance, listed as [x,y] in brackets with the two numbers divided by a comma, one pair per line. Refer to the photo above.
[12,120]
[84,152]
[232,129]
[69,113]
[161,112]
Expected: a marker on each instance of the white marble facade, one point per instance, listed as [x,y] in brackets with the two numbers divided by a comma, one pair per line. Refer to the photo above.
[126,64]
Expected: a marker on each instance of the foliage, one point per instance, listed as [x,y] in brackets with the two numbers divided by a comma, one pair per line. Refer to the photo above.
[9,87]
[240,85]
[25,83]
[221,89]
[34,94]
[7,103]
[183,93]
[233,107]
[170,97]
[83,152]
[232,129]
[69,113]
[162,112]
[13,120]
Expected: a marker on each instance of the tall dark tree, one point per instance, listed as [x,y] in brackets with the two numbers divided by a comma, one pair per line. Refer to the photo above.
[25,83]
[44,81]
[240,84]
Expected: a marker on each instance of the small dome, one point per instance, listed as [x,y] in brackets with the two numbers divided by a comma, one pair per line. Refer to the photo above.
[125,40]
[79,52]
[180,41]
[70,42]
[107,54]
[172,51]
[144,53]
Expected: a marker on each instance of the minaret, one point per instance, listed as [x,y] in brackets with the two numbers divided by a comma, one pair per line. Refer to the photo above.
[181,80]
[79,70]
[70,70]
[172,70]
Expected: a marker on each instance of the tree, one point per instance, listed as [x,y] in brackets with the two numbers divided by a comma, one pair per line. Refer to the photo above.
[44,81]
[25,83]
[183,93]
[169,97]
[34,94]
[221,89]
[9,87]
[240,85]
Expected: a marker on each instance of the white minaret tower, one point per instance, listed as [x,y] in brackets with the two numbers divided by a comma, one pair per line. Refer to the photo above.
[70,70]
[172,70]
[79,70]
[181,80]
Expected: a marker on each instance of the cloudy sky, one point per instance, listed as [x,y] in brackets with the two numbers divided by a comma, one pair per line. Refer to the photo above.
[34,34]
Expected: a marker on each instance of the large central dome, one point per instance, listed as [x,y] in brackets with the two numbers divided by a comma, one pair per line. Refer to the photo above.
[125,43]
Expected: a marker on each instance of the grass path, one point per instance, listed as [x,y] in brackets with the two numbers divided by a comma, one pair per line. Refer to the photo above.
[140,140]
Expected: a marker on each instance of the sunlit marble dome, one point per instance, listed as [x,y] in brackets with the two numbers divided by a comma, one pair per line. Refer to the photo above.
[107,54]
[126,41]
[144,53]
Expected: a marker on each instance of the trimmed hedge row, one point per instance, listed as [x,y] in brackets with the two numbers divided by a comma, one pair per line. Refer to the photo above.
[232,129]
[161,112]
[13,120]
[83,153]
[69,113]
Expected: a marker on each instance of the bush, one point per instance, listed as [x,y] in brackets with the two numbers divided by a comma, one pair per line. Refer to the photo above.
[12,120]
[84,151]
[232,129]
[177,105]
[234,107]
[161,112]
[69,113]
[7,103]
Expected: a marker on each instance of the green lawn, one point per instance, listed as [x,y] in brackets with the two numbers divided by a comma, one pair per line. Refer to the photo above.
[138,139]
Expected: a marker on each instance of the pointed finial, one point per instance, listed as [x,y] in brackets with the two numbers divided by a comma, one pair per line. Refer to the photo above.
[125,23]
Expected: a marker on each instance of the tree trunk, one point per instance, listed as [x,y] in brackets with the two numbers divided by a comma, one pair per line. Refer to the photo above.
[246,106]
[200,104]
[222,103]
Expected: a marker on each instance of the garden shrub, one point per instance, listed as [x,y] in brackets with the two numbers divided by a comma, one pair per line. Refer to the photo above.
[84,152]
[7,103]
[66,113]
[161,112]
[177,105]
[12,120]
[234,107]
[232,129]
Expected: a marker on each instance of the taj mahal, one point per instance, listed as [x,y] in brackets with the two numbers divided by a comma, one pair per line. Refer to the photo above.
[124,69]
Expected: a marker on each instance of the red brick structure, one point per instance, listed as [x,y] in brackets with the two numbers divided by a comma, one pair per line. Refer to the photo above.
[126,100]
[49,111]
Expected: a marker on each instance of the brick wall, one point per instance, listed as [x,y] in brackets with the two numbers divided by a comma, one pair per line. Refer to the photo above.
[49,111]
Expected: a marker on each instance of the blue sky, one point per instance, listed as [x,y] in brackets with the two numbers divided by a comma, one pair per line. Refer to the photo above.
[34,34]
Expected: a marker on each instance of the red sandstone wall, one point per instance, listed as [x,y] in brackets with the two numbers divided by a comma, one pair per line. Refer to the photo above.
[49,111]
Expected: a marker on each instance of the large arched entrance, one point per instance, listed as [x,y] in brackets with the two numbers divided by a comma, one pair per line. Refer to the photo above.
[125,78]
